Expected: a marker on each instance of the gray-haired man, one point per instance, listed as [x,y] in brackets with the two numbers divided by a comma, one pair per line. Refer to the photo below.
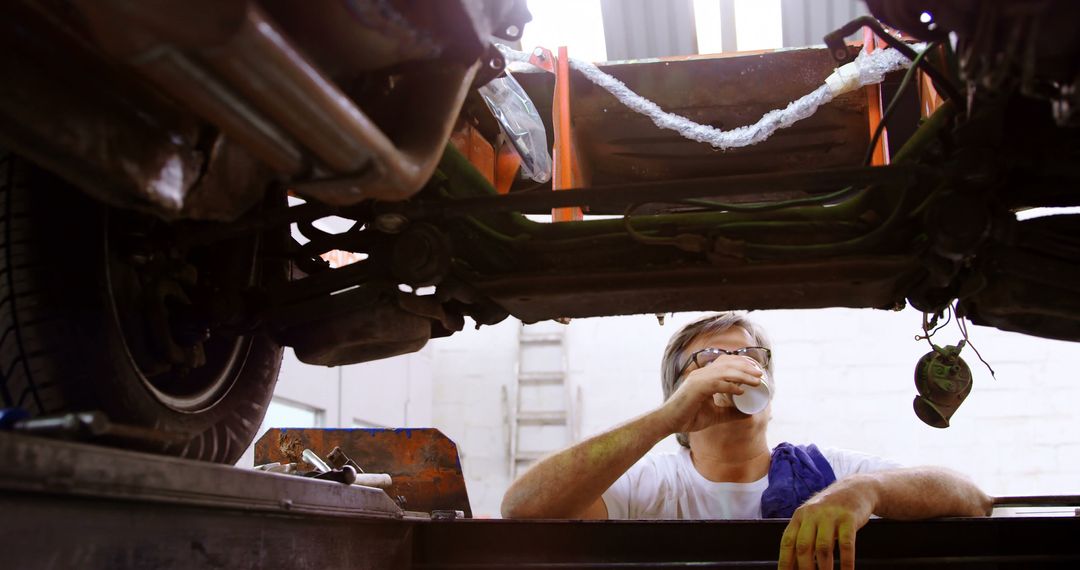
[726,469]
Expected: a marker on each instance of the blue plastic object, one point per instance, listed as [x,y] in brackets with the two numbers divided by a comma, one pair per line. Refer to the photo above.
[8,417]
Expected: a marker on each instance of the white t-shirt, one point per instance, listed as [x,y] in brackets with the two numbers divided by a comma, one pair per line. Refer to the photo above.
[668,486]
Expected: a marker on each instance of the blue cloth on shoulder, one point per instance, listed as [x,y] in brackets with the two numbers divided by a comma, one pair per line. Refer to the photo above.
[795,474]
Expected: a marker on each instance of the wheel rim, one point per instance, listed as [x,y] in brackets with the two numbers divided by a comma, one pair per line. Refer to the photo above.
[185,390]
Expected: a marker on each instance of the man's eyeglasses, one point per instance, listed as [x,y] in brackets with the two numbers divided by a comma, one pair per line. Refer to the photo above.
[706,355]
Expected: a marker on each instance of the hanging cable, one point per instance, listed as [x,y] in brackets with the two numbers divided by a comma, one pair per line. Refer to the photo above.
[962,323]
[772,206]
[931,327]
[694,243]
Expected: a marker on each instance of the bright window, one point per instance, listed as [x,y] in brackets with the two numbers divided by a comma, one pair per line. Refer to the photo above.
[284,413]
[576,24]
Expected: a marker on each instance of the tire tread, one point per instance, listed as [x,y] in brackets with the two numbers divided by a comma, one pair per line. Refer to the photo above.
[50,327]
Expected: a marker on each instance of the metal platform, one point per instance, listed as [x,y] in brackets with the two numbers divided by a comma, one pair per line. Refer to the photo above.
[990,543]
[71,505]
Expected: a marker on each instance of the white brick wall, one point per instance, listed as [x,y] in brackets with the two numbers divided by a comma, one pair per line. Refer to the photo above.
[1012,435]
[843,378]
[474,372]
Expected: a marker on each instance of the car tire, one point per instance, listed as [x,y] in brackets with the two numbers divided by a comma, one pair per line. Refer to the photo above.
[67,340]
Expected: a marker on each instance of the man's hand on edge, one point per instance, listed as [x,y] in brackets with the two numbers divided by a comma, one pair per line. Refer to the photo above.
[833,515]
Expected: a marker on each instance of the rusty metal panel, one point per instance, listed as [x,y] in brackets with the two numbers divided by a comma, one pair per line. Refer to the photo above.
[66,108]
[423,462]
[843,282]
[616,145]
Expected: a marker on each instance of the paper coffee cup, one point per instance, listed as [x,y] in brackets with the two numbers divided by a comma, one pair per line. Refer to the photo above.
[754,398]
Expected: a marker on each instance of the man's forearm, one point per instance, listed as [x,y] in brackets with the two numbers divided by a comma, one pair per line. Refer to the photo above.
[563,485]
[926,492]
[834,515]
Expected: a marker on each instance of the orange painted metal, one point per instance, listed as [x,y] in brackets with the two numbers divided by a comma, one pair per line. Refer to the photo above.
[422,462]
[874,107]
[543,58]
[563,175]
[929,98]
[507,164]
[476,149]
[499,168]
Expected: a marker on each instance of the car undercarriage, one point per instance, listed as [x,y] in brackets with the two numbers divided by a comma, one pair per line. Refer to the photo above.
[194,133]
[166,165]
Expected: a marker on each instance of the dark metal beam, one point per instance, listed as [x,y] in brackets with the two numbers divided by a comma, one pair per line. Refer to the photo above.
[983,543]
[763,185]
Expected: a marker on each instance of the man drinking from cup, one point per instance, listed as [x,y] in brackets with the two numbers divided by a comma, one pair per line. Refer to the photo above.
[717,381]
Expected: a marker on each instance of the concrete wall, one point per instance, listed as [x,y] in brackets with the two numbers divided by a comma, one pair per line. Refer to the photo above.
[843,377]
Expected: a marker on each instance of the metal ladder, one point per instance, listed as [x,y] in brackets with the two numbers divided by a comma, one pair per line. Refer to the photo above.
[542,416]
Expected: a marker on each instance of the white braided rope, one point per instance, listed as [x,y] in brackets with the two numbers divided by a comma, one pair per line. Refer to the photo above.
[867,69]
